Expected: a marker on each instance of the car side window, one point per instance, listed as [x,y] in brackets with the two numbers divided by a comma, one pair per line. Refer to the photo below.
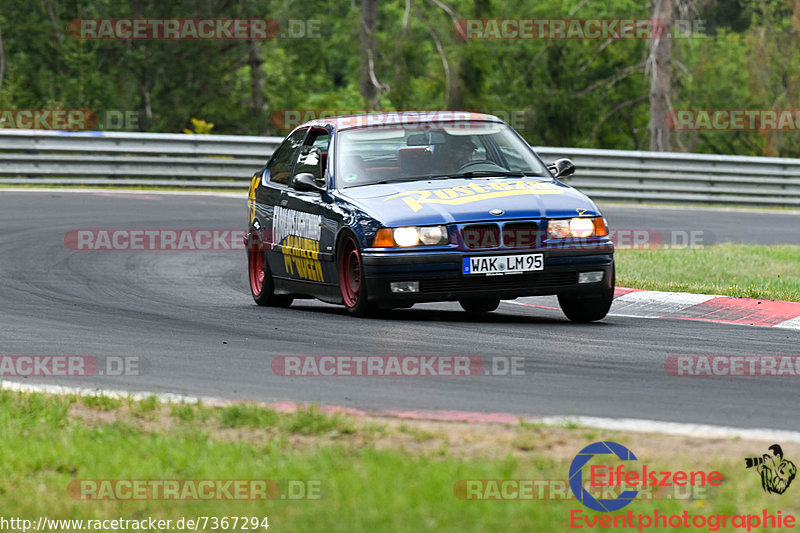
[320,140]
[314,161]
[280,166]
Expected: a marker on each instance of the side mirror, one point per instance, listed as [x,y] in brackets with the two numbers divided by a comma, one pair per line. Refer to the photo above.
[306,182]
[562,168]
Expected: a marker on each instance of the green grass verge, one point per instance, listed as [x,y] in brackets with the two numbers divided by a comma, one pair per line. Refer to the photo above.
[750,271]
[368,482]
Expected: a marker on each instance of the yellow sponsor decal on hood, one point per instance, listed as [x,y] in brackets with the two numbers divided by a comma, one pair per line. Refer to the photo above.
[475,192]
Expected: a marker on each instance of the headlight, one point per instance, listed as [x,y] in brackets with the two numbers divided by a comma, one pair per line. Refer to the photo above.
[410,236]
[406,236]
[432,235]
[578,227]
[558,229]
[581,227]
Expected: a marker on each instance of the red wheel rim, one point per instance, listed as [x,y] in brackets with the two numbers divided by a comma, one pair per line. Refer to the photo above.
[256,270]
[350,272]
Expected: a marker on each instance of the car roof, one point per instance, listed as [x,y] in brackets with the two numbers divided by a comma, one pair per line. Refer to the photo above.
[397,118]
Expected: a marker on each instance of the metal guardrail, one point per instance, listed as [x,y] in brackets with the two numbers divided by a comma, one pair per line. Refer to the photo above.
[121,158]
[180,160]
[681,177]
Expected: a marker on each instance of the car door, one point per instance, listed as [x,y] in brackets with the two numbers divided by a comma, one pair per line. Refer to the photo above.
[308,249]
[271,197]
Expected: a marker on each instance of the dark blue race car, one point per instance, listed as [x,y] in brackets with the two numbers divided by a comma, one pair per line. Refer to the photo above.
[387,210]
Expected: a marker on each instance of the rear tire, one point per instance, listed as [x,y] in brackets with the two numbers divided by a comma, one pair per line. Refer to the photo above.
[588,308]
[352,283]
[261,285]
[479,306]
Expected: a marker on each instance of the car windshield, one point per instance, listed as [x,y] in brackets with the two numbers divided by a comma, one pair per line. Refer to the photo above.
[366,156]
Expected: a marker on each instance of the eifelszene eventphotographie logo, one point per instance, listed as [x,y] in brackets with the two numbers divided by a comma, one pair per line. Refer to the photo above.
[615,477]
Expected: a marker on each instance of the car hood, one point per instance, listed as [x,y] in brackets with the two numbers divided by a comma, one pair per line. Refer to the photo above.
[469,199]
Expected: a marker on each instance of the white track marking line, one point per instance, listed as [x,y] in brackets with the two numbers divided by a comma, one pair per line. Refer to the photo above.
[649,304]
[615,424]
[63,390]
[673,298]
[673,428]
[794,323]
[657,304]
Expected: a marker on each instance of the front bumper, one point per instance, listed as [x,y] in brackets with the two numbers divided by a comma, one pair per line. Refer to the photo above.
[440,278]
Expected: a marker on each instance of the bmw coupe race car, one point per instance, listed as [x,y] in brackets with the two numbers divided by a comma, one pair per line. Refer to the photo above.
[388,210]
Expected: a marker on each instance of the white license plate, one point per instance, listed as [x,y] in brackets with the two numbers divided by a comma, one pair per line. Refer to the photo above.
[502,264]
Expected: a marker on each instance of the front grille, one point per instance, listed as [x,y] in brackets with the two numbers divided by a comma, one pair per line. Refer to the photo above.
[535,280]
[481,236]
[521,235]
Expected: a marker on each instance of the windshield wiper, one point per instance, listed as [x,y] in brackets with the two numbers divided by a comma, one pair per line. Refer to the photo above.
[470,174]
[414,178]
[492,173]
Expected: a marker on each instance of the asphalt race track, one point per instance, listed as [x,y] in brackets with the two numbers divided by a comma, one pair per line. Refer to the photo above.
[712,226]
[190,319]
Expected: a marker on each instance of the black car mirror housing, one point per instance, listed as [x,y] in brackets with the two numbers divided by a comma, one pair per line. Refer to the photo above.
[306,182]
[562,168]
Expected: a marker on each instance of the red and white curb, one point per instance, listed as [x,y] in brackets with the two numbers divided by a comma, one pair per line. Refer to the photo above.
[708,307]
[704,307]
[634,425]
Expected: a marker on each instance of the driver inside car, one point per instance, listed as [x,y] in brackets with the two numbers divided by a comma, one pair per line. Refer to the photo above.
[458,151]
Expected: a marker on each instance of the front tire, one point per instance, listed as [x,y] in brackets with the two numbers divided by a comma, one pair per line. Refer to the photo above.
[261,285]
[580,308]
[352,283]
